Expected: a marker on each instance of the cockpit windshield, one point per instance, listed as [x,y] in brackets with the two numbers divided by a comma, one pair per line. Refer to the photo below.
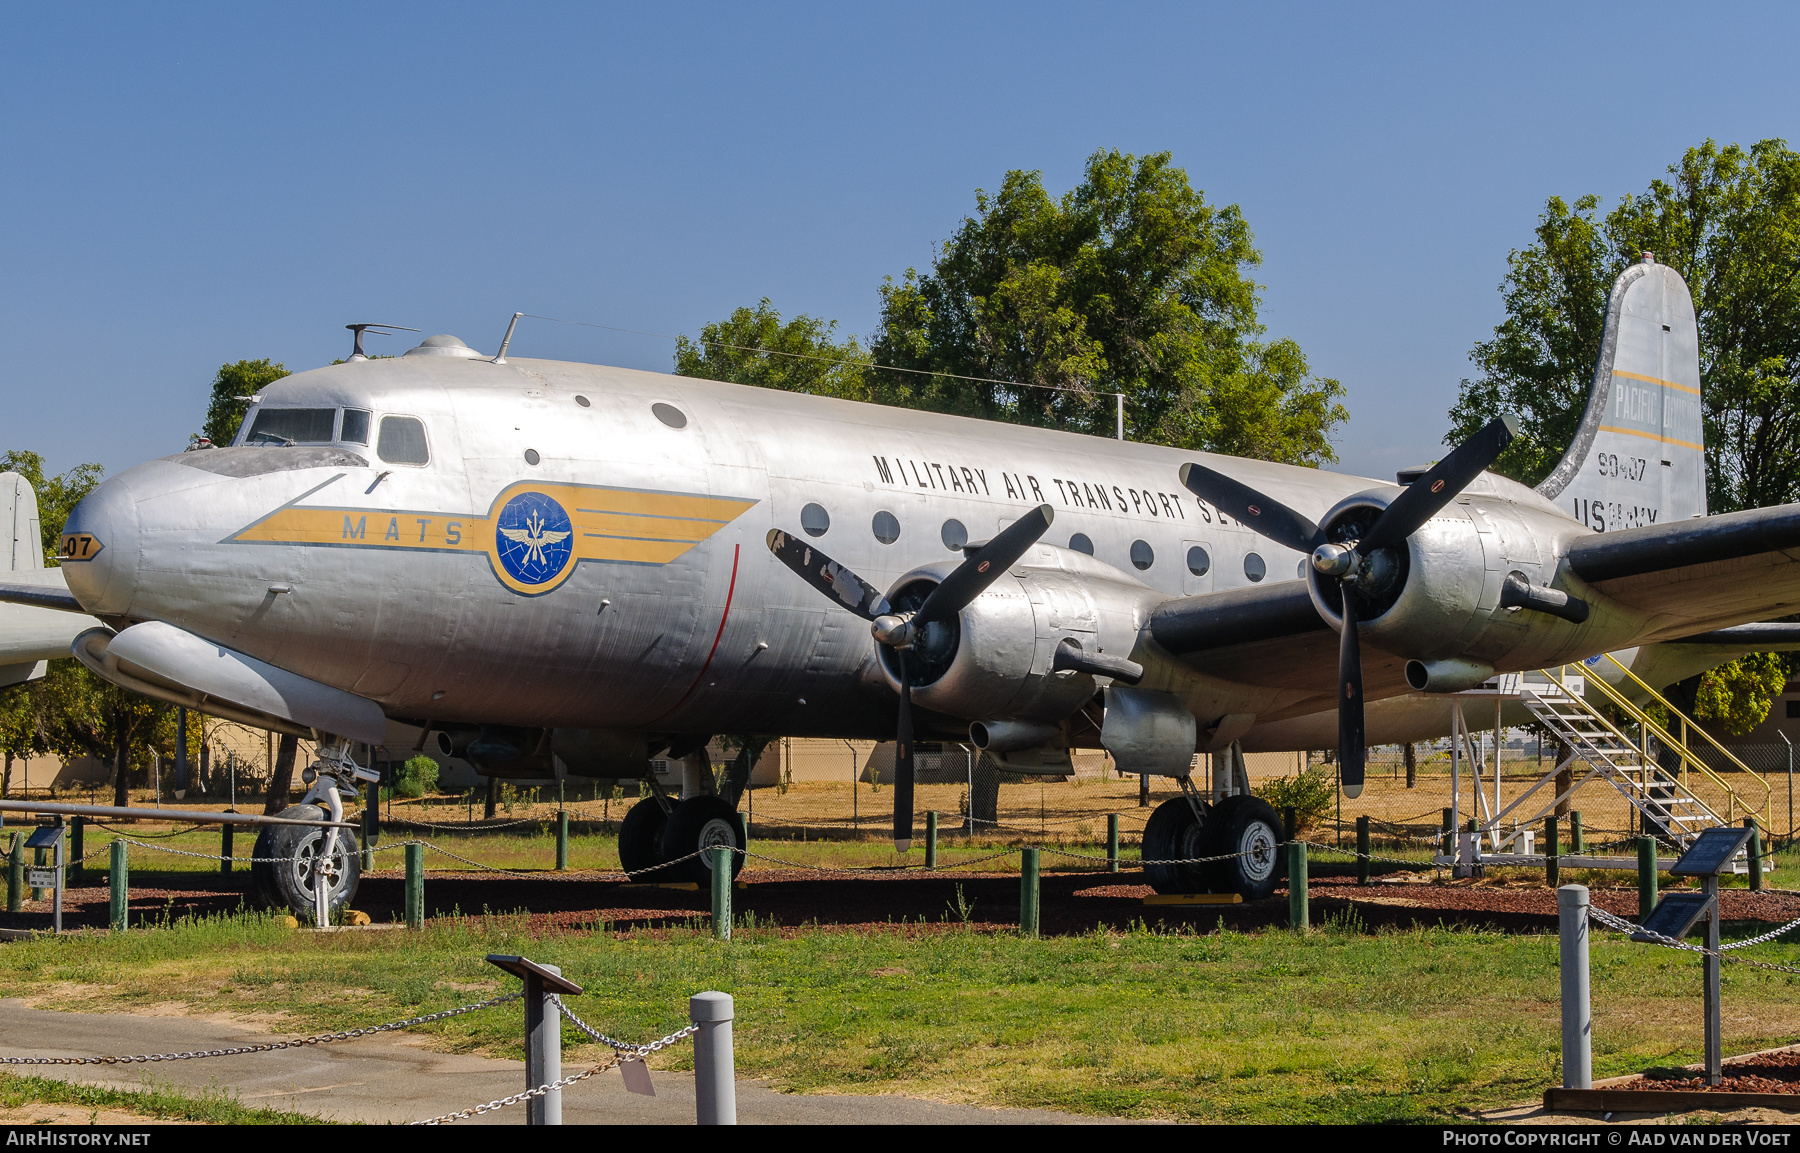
[288,426]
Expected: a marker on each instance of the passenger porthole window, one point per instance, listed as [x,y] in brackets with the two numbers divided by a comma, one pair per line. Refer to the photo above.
[814,520]
[954,535]
[886,527]
[1254,567]
[1080,543]
[669,415]
[531,456]
[1198,562]
[584,402]
[1142,555]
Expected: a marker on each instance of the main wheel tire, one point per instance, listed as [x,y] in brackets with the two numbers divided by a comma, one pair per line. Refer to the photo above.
[640,840]
[1246,826]
[282,874]
[1173,834]
[702,823]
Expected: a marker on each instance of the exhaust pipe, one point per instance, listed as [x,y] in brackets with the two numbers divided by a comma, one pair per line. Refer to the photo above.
[1451,676]
[1008,736]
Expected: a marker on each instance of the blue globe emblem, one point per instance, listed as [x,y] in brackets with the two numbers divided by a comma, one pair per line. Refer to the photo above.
[534,537]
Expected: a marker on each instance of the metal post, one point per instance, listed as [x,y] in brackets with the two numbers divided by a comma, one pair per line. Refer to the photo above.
[1120,397]
[1457,727]
[715,1080]
[1756,861]
[61,859]
[543,1049]
[1028,892]
[77,827]
[719,857]
[1143,790]
[1577,844]
[1552,853]
[1290,823]
[1362,849]
[415,886]
[1709,963]
[1298,918]
[931,839]
[225,847]
[562,840]
[1577,1016]
[181,773]
[119,880]
[15,874]
[1447,829]
[1646,848]
[1112,842]
[37,861]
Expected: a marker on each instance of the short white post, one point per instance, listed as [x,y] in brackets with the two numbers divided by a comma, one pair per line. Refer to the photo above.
[1577,1014]
[715,1085]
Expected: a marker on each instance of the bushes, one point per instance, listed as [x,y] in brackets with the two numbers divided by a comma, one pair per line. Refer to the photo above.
[417,777]
[1310,794]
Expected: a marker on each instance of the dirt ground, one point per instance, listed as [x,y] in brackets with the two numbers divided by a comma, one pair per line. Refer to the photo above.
[918,901]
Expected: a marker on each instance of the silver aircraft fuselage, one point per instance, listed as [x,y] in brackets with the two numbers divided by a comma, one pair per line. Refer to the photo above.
[577,546]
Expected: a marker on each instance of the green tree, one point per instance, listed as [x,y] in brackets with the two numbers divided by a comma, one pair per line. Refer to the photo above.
[753,346]
[1728,220]
[57,495]
[234,383]
[1130,283]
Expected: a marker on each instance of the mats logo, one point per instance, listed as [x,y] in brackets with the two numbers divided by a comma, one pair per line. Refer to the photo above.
[534,535]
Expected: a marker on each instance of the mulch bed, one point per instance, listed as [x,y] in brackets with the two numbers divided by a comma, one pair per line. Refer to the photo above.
[895,901]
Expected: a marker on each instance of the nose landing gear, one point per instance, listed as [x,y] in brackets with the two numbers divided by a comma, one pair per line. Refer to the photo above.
[311,871]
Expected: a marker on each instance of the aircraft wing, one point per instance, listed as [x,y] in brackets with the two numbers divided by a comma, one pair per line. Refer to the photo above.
[40,621]
[1699,574]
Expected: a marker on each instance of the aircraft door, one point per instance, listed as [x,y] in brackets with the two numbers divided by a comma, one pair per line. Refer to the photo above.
[1198,559]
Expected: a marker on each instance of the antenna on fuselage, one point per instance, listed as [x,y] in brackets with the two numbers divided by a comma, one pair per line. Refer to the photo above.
[500,357]
[357,353]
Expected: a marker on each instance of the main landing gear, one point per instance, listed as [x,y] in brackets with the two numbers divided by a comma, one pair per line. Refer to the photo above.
[1186,827]
[312,871]
[658,829]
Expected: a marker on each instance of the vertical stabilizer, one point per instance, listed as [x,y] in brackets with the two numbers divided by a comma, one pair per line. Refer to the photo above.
[1639,456]
[19,510]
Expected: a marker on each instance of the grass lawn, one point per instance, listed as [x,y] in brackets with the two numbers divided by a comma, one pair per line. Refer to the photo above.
[1342,1025]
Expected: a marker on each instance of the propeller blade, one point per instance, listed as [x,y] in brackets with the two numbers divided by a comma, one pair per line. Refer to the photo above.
[1350,701]
[903,764]
[1422,499]
[972,576]
[1269,517]
[827,575]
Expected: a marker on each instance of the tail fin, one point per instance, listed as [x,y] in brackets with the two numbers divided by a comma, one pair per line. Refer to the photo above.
[1639,456]
[19,510]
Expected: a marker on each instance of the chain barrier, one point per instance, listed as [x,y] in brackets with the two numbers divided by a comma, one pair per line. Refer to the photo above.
[272,1046]
[1620,925]
[636,1053]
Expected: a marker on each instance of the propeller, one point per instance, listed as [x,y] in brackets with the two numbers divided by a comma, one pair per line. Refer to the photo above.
[1355,563]
[906,630]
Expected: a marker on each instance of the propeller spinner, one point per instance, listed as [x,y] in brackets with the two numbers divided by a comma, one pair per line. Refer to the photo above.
[903,631]
[1361,565]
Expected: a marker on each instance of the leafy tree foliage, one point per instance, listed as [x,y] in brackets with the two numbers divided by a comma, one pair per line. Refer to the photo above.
[1130,283]
[753,346]
[1728,220]
[239,379]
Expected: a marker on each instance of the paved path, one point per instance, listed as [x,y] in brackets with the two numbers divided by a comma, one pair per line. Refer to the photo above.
[392,1077]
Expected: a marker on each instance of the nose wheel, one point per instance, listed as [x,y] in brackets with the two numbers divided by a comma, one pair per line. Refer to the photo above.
[293,860]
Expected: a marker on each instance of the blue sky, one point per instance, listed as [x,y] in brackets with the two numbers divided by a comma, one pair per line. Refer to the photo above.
[190,184]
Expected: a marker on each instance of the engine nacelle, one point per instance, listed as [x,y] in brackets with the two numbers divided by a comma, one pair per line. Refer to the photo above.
[994,662]
[1438,597]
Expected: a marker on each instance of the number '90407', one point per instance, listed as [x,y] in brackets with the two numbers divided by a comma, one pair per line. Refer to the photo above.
[1611,464]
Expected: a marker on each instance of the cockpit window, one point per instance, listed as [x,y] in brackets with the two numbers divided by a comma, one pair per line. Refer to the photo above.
[402,441]
[293,426]
[356,427]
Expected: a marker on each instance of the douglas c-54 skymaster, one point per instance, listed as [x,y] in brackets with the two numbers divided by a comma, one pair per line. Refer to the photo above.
[533,559]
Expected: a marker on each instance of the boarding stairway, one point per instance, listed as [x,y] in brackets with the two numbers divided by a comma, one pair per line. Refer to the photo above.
[1676,797]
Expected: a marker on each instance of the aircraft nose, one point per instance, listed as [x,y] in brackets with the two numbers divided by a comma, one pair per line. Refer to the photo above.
[99,548]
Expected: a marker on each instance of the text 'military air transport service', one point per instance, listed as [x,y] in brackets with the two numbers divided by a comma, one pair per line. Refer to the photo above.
[538,559]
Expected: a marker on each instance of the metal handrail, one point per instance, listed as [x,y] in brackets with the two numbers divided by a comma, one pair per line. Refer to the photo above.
[1689,724]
